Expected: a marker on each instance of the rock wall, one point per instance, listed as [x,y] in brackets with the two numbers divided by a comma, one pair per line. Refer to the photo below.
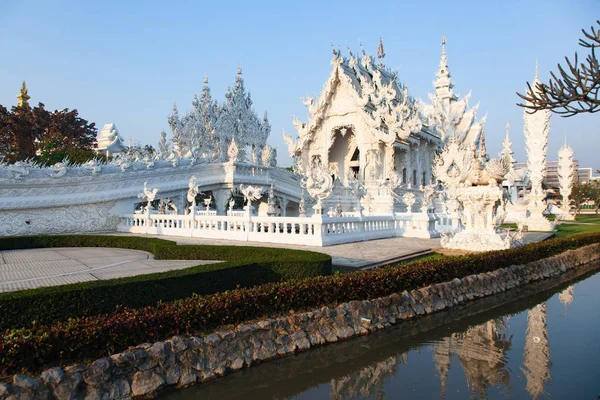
[182,361]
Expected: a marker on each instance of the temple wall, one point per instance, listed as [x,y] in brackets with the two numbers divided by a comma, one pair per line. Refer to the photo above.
[35,202]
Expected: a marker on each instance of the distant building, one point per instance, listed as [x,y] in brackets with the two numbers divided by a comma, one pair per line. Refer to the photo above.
[584,175]
[110,142]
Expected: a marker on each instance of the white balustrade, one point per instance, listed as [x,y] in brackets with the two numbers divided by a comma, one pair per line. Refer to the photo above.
[310,231]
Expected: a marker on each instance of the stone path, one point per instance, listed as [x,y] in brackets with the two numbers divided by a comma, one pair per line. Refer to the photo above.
[350,255]
[28,269]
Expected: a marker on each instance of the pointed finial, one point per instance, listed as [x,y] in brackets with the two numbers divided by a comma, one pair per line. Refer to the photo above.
[380,50]
[362,50]
[333,50]
[23,97]
[239,69]
[537,69]
[565,139]
[507,127]
[443,60]
[206,79]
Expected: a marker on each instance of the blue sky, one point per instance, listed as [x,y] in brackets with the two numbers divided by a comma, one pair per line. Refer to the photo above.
[127,62]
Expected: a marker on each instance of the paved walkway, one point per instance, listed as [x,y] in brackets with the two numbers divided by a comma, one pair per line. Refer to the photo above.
[357,255]
[28,269]
[349,255]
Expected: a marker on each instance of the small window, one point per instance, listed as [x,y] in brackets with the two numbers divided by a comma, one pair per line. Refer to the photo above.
[356,155]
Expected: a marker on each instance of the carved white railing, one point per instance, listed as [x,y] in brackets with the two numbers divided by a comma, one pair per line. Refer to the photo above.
[447,223]
[311,231]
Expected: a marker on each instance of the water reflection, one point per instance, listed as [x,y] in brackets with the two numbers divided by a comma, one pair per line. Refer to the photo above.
[536,364]
[494,348]
[367,382]
[481,350]
[566,296]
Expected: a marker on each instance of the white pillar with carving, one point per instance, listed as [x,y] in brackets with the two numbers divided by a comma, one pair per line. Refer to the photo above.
[537,129]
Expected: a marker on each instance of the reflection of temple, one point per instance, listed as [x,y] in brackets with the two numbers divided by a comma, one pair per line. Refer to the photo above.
[481,351]
[566,296]
[367,382]
[536,363]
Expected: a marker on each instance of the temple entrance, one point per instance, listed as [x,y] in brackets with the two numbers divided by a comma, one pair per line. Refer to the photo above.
[344,154]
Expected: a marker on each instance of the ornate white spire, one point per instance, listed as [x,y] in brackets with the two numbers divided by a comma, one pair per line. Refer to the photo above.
[380,50]
[566,172]
[443,85]
[536,130]
[507,146]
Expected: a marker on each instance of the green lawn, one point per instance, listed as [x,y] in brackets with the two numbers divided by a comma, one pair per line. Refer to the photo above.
[589,224]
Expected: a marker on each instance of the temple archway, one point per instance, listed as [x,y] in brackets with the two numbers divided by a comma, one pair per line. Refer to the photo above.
[344,154]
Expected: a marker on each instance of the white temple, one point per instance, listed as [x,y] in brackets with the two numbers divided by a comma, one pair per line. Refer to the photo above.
[366,157]
[365,127]
[110,142]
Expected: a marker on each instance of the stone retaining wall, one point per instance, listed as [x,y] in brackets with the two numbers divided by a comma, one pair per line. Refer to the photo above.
[182,361]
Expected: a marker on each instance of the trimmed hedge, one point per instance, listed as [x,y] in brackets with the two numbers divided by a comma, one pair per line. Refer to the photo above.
[84,338]
[243,267]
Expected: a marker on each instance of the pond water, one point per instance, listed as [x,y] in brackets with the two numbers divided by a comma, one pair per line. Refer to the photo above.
[516,345]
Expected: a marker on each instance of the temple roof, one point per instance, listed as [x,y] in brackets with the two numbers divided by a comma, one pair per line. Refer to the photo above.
[110,139]
[385,103]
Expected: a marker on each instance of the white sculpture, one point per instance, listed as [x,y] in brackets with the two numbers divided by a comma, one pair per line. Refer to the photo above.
[428,195]
[271,203]
[93,166]
[19,169]
[409,199]
[473,182]
[537,129]
[566,177]
[191,194]
[59,169]
[302,206]
[233,151]
[207,202]
[318,183]
[250,193]
[149,196]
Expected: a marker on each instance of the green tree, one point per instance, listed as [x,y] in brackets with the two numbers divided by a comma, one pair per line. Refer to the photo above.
[580,193]
[44,136]
[64,135]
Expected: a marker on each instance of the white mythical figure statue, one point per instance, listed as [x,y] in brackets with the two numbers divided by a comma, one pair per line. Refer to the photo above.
[566,177]
[318,183]
[191,195]
[149,195]
[474,183]
[537,129]
[251,193]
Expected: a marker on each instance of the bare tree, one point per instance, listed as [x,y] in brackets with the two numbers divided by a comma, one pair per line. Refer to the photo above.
[576,91]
